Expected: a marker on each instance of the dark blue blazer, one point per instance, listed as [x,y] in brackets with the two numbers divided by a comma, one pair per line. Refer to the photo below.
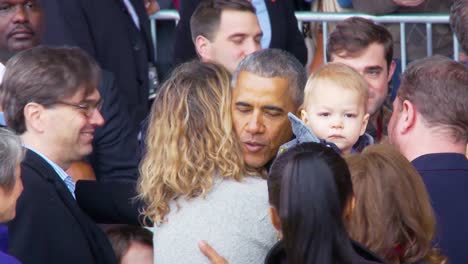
[116,151]
[110,202]
[446,178]
[285,34]
[49,227]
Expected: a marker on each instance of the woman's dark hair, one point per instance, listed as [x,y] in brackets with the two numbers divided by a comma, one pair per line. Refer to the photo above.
[310,186]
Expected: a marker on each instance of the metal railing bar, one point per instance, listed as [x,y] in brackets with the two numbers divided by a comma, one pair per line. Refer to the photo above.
[333,17]
[403,45]
[325,18]
[324,40]
[429,39]
[456,48]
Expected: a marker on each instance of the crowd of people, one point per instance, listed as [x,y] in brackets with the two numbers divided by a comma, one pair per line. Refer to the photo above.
[242,156]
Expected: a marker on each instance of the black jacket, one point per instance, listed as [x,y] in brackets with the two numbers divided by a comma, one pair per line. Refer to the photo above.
[110,202]
[116,151]
[49,227]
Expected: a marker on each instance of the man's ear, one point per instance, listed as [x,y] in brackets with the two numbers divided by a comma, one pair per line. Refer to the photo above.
[203,47]
[365,120]
[407,116]
[275,219]
[33,115]
[391,70]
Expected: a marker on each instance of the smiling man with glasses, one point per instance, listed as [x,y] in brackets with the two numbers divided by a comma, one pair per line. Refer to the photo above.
[50,99]
[115,153]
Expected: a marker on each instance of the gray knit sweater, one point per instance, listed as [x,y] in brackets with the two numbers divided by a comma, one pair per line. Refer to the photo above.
[233,218]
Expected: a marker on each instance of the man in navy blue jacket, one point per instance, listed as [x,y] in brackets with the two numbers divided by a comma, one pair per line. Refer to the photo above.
[429,125]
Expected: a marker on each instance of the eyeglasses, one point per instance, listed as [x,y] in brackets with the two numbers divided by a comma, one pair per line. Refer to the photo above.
[86,108]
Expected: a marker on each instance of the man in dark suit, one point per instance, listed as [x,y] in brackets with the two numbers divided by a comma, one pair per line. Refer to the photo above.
[429,125]
[115,154]
[117,34]
[50,99]
[230,18]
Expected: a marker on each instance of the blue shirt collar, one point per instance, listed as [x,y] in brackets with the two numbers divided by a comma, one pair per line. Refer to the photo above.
[2,119]
[61,173]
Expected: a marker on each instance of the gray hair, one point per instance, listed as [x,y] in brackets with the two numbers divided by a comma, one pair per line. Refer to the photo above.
[11,153]
[271,63]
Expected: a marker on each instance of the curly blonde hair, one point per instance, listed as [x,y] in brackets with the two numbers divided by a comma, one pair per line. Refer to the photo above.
[190,138]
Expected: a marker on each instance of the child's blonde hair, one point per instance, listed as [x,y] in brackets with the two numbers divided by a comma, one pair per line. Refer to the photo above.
[341,75]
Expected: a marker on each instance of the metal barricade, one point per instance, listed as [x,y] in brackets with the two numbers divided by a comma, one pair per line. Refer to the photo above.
[325,18]
[428,19]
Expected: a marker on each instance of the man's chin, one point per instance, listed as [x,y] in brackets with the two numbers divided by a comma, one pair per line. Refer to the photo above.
[18,46]
[85,151]
[255,163]
[374,107]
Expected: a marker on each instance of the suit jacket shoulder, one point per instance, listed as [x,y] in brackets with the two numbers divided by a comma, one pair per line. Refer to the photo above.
[49,227]
[110,202]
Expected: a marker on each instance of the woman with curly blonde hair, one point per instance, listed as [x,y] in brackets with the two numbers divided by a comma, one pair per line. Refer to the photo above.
[193,176]
[393,216]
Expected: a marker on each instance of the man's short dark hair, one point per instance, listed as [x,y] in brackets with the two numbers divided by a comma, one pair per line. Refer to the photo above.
[438,87]
[206,18]
[459,22]
[351,36]
[45,75]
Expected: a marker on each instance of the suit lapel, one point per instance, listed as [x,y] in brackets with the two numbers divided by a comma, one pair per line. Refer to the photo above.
[42,168]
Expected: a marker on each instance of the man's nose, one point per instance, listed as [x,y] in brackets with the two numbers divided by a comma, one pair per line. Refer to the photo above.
[251,46]
[20,15]
[255,124]
[96,118]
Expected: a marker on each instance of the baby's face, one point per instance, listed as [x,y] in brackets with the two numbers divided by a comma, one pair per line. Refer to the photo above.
[336,114]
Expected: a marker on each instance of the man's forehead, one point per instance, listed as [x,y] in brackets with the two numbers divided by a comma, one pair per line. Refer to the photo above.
[359,62]
[264,90]
[234,22]
[85,93]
